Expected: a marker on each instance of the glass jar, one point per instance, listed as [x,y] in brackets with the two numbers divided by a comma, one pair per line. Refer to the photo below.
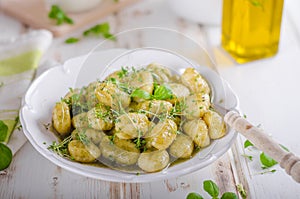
[251,28]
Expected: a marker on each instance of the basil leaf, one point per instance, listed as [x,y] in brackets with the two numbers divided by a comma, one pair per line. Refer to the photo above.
[229,195]
[6,156]
[100,30]
[71,40]
[162,92]
[194,195]
[3,131]
[266,160]
[140,94]
[59,15]
[247,143]
[211,188]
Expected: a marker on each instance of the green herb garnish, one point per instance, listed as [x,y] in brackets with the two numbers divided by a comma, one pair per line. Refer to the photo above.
[100,30]
[72,40]
[229,195]
[162,92]
[286,149]
[247,143]
[59,15]
[61,148]
[194,195]
[81,136]
[141,94]
[211,188]
[123,72]
[268,171]
[6,156]
[266,161]
[248,156]
[3,131]
[241,190]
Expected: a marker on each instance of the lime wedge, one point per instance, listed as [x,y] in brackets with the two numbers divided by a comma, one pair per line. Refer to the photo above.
[6,128]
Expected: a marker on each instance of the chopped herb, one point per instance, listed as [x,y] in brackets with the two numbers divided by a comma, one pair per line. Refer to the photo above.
[81,136]
[123,72]
[247,143]
[241,190]
[266,161]
[139,93]
[71,40]
[61,148]
[245,116]
[268,171]
[139,143]
[1,84]
[286,149]
[248,156]
[112,138]
[100,30]
[6,156]
[59,15]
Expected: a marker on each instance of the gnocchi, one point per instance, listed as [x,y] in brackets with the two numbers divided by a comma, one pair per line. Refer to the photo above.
[138,119]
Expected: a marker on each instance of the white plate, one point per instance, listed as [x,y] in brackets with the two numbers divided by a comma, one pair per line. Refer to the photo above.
[47,89]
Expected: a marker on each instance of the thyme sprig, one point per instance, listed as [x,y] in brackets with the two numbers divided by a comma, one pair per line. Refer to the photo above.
[61,148]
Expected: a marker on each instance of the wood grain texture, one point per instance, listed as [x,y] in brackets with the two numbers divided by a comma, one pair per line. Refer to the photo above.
[30,170]
[35,14]
[265,143]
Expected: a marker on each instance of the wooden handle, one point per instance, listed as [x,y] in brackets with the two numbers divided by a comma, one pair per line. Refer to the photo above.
[265,143]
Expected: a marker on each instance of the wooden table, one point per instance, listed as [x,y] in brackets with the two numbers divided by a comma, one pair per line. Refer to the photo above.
[269,95]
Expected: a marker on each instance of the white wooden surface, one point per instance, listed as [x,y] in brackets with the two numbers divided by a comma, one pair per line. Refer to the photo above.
[269,95]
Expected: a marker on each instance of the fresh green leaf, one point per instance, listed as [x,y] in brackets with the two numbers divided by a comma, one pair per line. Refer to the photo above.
[241,190]
[139,93]
[71,40]
[3,131]
[162,92]
[247,143]
[194,195]
[100,30]
[59,15]
[229,195]
[267,161]
[211,188]
[6,156]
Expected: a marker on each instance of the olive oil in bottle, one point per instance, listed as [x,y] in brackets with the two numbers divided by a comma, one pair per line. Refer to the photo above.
[251,28]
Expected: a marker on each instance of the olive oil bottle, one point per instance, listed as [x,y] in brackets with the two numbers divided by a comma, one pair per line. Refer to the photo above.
[251,28]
